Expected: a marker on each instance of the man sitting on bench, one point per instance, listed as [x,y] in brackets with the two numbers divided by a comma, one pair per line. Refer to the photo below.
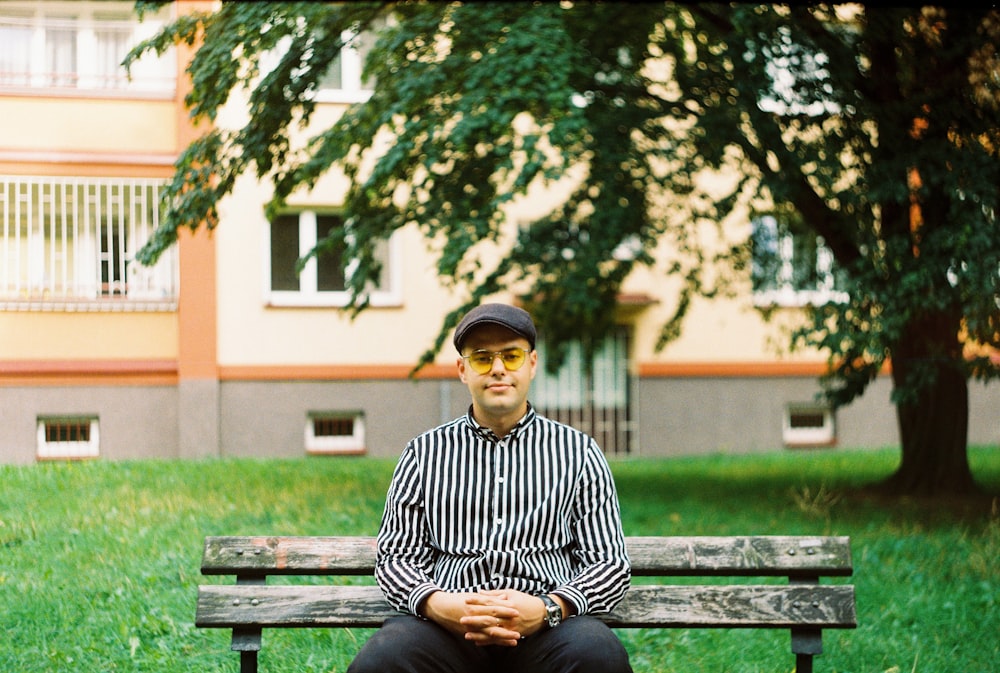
[501,531]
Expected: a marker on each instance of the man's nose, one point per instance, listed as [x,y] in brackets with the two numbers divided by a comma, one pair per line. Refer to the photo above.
[496,364]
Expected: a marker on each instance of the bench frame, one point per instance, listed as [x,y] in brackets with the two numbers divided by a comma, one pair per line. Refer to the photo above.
[803,606]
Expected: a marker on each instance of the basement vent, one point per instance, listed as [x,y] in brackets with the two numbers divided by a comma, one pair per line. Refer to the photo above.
[335,432]
[68,437]
[808,425]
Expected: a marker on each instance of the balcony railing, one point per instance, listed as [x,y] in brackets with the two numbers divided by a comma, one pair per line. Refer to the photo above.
[70,244]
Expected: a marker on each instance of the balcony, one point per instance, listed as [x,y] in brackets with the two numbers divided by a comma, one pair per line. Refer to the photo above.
[69,244]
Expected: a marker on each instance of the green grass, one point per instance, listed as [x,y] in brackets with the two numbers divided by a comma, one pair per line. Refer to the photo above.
[99,561]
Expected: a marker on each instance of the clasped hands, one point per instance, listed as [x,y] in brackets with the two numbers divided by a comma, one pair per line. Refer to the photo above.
[495,617]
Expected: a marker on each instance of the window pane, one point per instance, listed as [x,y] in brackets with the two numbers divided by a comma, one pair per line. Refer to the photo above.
[766,266]
[114,38]
[15,50]
[284,253]
[329,265]
[334,77]
[364,44]
[60,53]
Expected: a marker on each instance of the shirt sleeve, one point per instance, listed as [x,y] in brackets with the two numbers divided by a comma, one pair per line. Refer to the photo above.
[600,553]
[403,556]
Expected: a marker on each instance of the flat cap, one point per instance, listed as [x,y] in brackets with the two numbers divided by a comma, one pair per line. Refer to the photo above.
[517,320]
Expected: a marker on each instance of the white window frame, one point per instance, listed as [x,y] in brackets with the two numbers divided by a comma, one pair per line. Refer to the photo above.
[339,444]
[82,56]
[68,450]
[810,436]
[784,294]
[308,294]
[351,89]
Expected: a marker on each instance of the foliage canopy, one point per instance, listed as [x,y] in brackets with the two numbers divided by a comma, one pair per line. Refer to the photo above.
[878,127]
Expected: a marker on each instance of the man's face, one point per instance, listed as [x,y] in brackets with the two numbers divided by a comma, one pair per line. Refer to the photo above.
[499,396]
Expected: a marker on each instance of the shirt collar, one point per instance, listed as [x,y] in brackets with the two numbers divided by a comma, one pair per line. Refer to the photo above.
[486,433]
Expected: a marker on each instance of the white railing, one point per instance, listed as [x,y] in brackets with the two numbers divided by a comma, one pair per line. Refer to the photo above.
[70,243]
[593,399]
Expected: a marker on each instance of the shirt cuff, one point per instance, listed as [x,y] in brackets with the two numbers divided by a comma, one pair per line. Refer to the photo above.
[420,594]
[576,599]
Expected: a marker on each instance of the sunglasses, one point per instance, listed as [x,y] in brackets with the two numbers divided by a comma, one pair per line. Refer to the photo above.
[482,361]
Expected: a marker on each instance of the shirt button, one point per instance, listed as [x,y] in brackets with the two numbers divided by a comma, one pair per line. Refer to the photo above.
[501,480]
[499,521]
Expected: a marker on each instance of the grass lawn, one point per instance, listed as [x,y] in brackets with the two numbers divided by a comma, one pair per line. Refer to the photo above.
[99,561]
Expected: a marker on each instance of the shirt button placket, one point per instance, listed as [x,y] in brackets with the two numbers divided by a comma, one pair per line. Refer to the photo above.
[498,470]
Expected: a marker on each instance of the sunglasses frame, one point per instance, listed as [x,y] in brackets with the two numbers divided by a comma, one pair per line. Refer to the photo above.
[493,357]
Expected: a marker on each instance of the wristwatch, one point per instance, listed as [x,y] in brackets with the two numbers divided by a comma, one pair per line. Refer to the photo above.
[553,613]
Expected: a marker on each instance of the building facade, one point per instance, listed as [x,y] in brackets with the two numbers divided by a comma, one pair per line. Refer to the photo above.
[222,349]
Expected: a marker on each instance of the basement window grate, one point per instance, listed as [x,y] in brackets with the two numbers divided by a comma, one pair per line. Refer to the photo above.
[68,437]
[335,432]
[808,425]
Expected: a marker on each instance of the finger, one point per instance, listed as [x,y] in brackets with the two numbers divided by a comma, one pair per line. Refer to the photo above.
[493,611]
[494,636]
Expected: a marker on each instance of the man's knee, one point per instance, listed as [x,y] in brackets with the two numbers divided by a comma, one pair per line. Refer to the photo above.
[587,645]
[425,646]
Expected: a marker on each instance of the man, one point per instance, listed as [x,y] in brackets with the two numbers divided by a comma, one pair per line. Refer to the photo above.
[502,530]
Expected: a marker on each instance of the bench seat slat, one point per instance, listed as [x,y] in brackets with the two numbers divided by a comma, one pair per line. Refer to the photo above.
[650,606]
[773,555]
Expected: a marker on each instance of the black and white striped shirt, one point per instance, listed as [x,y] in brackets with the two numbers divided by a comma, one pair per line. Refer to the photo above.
[536,511]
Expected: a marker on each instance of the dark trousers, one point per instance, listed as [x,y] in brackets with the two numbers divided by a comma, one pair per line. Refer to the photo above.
[406,644]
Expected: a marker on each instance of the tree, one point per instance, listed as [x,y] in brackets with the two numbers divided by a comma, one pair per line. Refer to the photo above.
[878,127]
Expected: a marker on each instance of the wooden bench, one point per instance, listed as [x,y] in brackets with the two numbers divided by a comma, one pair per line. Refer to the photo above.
[803,605]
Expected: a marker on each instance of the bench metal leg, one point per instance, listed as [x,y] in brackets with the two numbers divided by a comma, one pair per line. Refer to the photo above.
[805,644]
[248,662]
[247,643]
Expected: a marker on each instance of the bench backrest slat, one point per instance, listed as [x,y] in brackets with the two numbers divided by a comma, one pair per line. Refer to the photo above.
[766,555]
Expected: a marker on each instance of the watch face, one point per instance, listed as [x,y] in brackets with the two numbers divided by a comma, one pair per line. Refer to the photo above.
[553,613]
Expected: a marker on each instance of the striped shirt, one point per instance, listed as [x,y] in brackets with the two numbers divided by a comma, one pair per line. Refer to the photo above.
[536,511]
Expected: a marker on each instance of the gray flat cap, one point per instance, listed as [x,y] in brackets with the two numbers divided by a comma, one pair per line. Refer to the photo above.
[517,320]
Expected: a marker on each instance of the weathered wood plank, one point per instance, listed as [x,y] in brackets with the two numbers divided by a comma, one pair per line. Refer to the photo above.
[289,555]
[789,556]
[653,606]
[227,606]
[764,555]
[735,606]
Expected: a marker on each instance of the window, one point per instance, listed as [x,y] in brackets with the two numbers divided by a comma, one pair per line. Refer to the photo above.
[791,266]
[343,82]
[593,399]
[808,425]
[67,437]
[323,279]
[335,432]
[72,242]
[79,45]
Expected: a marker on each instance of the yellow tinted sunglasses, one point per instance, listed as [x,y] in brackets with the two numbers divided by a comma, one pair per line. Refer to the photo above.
[481,361]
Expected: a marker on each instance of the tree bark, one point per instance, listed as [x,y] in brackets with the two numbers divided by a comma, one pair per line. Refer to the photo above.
[932,408]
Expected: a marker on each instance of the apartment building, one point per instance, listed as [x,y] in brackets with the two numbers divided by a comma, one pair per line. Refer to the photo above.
[222,349]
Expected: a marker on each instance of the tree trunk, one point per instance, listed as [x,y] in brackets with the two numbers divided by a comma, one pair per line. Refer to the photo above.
[932,408]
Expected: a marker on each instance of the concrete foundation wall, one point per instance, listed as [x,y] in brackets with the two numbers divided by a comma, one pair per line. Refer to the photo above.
[197,419]
[135,421]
